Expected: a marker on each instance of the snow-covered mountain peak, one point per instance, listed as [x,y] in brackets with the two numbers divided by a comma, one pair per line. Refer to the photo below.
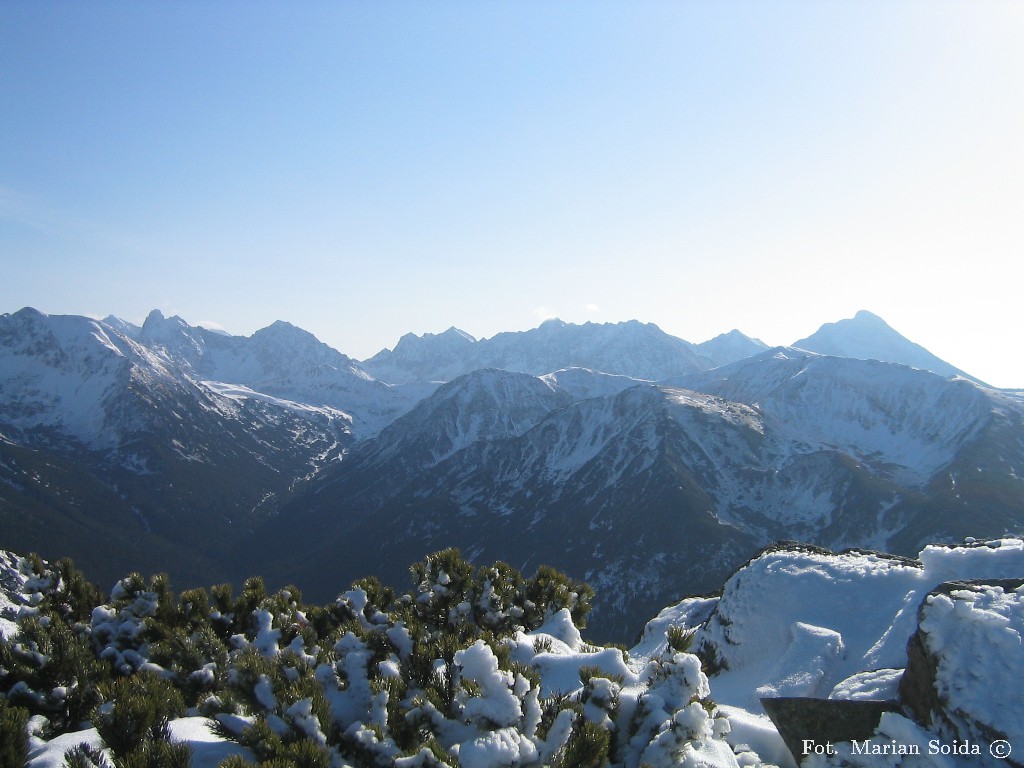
[284,344]
[553,323]
[430,343]
[863,316]
[28,314]
[634,349]
[130,330]
[454,332]
[430,357]
[282,329]
[729,347]
[156,324]
[866,336]
[65,341]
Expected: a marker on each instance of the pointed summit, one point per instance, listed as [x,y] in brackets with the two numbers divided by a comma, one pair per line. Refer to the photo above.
[866,336]
[458,333]
[729,347]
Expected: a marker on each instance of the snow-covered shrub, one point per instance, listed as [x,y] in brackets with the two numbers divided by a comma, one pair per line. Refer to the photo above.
[59,590]
[51,669]
[470,668]
[444,586]
[498,602]
[136,710]
[154,753]
[680,639]
[196,661]
[600,697]
[121,630]
[673,716]
[549,591]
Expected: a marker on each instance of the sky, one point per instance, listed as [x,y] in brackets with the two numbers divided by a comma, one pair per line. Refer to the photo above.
[368,169]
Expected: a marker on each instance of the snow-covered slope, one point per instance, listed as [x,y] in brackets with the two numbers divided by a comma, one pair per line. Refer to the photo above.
[483,406]
[583,383]
[283,361]
[876,412]
[799,621]
[107,439]
[66,374]
[12,580]
[866,336]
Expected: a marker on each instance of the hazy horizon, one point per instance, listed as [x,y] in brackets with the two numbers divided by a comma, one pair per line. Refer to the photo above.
[367,170]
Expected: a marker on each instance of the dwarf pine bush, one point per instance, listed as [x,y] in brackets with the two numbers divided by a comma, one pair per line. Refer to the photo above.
[433,677]
[135,712]
[13,737]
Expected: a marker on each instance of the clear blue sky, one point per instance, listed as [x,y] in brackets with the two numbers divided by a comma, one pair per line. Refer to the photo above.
[364,169]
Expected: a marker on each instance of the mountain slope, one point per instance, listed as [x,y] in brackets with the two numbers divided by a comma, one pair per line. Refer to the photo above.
[656,490]
[566,491]
[107,442]
[868,337]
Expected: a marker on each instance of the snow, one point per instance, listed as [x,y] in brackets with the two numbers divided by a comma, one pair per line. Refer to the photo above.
[789,602]
[881,413]
[894,732]
[496,703]
[976,635]
[752,732]
[584,383]
[241,393]
[868,337]
[798,621]
[801,622]
[807,664]
[496,749]
[12,584]
[690,612]
[633,349]
[208,749]
[874,684]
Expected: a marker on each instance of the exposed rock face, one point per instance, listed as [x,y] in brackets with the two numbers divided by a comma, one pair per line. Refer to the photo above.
[822,721]
[968,640]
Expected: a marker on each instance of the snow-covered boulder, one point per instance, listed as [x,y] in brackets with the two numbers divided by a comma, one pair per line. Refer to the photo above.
[967,647]
[803,621]
[798,620]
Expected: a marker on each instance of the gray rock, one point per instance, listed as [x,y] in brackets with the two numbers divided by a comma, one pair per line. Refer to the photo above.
[823,721]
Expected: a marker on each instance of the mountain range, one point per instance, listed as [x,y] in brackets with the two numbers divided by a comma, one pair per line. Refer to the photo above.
[645,464]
